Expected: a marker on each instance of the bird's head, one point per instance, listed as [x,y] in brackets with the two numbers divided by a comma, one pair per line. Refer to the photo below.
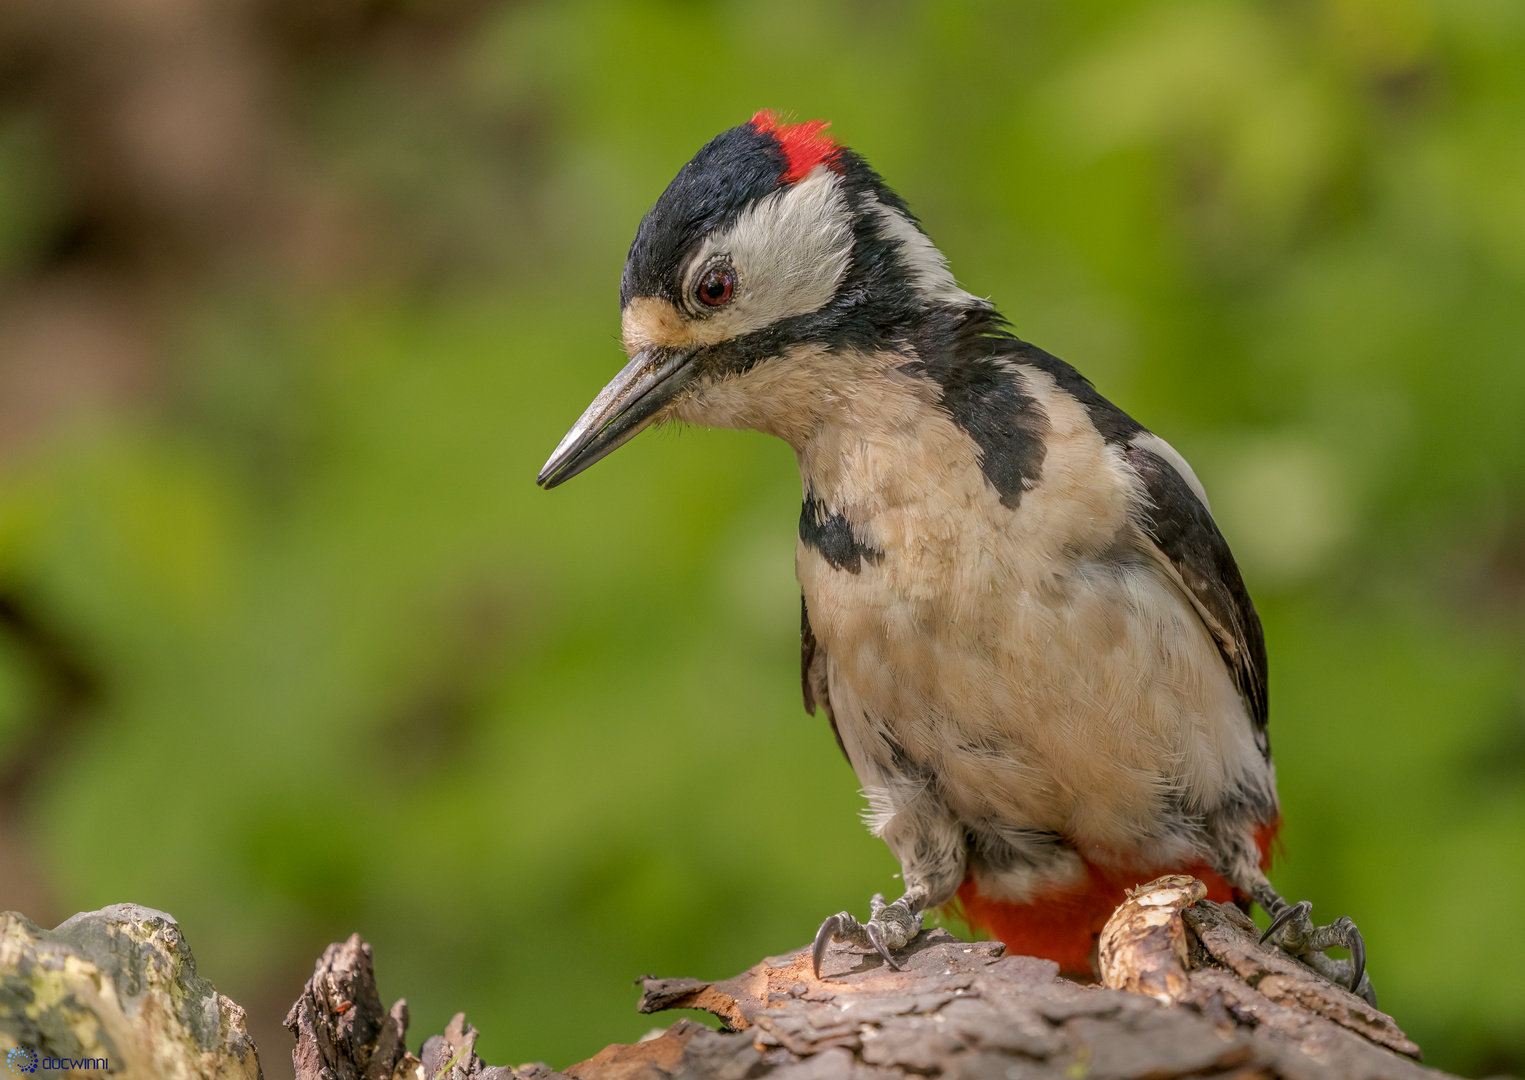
[772,250]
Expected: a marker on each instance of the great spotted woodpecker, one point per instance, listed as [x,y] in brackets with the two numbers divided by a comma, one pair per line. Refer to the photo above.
[1018,614]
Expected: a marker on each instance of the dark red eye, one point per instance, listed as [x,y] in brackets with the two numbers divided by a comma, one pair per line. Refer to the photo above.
[716,285]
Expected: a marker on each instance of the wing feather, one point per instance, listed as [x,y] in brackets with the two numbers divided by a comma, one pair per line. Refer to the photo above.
[813,675]
[1187,544]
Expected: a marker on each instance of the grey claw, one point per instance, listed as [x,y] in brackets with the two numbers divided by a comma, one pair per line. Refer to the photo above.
[829,929]
[1308,943]
[1357,960]
[1302,907]
[877,939]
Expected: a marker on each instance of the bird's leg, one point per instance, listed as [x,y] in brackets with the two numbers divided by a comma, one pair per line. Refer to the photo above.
[889,927]
[1291,929]
[930,845]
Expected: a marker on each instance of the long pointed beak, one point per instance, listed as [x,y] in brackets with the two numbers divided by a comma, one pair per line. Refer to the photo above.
[629,403]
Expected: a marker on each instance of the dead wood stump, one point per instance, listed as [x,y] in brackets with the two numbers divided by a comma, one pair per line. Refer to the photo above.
[1191,993]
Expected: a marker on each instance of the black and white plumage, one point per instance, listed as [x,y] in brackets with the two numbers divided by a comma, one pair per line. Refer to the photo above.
[1027,631]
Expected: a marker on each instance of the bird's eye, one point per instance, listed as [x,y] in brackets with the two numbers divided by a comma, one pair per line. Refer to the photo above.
[716,285]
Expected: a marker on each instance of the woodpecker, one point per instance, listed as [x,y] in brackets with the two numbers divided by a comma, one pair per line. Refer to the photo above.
[1027,632]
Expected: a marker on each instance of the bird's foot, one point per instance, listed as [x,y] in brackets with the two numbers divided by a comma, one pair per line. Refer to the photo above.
[890,927]
[1292,930]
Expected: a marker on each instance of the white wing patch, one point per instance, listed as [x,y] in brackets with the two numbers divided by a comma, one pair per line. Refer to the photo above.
[1151,442]
[927,266]
[789,250]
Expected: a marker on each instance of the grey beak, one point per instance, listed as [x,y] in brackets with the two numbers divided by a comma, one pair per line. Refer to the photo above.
[630,402]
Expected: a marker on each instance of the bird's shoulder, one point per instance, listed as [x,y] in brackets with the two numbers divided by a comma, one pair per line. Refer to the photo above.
[1173,518]
[987,376]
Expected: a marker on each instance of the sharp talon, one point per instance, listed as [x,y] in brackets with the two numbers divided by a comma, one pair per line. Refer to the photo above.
[878,941]
[1302,907]
[1357,960]
[823,937]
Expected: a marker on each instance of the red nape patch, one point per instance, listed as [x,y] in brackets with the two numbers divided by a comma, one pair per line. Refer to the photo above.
[806,145]
[1063,925]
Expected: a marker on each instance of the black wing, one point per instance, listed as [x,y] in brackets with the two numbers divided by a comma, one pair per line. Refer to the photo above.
[1186,536]
[813,675]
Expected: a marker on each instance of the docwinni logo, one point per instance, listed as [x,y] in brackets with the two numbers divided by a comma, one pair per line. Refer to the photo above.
[23,1061]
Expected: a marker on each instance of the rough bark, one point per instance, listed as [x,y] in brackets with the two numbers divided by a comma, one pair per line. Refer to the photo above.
[343,1033]
[117,985]
[1188,992]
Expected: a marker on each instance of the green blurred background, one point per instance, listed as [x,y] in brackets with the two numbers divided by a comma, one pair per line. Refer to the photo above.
[297,295]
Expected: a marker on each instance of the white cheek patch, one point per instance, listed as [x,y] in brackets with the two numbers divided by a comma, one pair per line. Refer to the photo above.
[1148,440]
[789,251]
[927,267]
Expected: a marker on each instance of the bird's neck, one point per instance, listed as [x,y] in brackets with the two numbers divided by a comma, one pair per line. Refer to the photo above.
[858,423]
[807,394]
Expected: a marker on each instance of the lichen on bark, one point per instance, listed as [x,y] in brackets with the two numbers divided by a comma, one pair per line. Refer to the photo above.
[119,984]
